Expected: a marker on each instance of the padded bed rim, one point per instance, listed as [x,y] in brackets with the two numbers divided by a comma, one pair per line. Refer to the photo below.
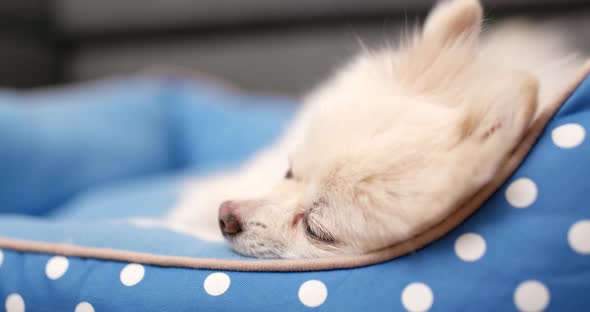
[464,210]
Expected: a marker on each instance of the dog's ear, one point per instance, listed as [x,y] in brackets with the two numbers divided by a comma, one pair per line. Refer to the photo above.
[453,20]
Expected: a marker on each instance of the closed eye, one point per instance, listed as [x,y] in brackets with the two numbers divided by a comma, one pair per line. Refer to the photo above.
[317,232]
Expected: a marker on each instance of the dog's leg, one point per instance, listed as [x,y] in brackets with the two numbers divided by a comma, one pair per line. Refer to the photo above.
[513,112]
[492,132]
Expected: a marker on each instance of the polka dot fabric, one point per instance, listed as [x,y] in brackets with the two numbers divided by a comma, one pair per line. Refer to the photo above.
[526,249]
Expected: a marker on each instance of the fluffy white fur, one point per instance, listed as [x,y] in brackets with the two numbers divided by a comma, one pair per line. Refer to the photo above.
[390,143]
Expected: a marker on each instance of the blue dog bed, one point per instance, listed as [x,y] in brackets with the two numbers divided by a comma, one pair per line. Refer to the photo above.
[74,162]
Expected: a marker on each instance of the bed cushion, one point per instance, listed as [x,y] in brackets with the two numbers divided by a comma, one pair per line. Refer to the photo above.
[527,248]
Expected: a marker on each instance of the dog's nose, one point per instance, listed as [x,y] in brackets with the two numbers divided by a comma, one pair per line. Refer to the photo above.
[229,221]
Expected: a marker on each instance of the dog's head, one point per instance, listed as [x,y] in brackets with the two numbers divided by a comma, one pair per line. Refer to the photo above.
[387,147]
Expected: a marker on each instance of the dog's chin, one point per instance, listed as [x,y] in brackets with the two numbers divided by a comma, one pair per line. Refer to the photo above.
[257,253]
[255,248]
[277,251]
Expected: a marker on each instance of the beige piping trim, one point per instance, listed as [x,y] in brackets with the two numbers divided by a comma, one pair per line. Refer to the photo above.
[389,253]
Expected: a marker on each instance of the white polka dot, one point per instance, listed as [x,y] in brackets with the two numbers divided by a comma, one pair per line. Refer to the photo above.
[579,237]
[56,267]
[84,307]
[216,283]
[470,247]
[313,293]
[521,193]
[531,296]
[132,274]
[417,297]
[1,257]
[569,135]
[14,303]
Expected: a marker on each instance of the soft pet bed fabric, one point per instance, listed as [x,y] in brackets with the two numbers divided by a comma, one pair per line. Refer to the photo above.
[527,248]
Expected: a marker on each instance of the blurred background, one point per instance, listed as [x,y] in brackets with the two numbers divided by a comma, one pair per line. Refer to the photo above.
[282,46]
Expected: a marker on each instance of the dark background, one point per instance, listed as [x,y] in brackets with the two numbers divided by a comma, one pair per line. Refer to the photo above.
[271,45]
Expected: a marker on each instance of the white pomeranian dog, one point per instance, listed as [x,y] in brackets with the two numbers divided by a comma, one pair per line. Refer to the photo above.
[387,146]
